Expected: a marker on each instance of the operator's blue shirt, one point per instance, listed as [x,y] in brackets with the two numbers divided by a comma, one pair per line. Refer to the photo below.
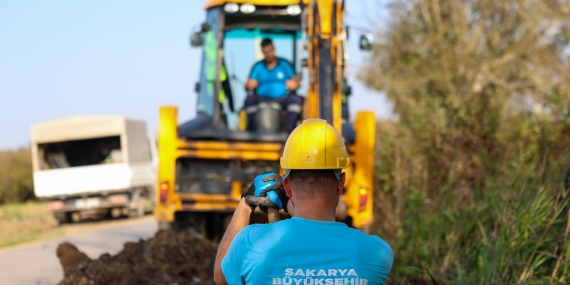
[298,251]
[271,82]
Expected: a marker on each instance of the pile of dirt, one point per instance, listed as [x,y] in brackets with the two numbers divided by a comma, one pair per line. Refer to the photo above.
[171,257]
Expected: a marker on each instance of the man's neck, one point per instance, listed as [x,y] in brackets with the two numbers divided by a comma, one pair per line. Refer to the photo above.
[315,210]
[271,63]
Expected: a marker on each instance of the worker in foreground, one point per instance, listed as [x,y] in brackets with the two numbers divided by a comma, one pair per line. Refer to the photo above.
[310,248]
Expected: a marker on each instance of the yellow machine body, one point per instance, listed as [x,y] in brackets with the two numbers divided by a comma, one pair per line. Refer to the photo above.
[326,51]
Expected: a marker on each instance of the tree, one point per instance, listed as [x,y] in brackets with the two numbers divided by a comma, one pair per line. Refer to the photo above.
[468,178]
[460,72]
[16,183]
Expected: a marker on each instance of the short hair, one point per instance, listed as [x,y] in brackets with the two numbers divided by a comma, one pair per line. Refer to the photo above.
[313,182]
[265,42]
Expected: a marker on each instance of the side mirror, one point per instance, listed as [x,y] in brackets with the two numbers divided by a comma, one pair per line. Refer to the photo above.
[196,39]
[205,27]
[366,41]
[347,90]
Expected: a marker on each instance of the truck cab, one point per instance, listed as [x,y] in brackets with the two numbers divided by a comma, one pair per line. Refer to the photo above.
[88,166]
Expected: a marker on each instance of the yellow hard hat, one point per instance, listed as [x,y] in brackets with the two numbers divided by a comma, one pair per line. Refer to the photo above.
[315,145]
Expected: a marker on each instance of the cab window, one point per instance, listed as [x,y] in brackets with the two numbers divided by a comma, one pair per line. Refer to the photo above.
[208,75]
[242,50]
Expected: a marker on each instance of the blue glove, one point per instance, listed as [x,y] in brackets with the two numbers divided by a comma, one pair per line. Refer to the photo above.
[267,185]
[263,192]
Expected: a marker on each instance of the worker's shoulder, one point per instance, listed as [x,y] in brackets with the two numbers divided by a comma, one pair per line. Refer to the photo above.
[281,60]
[368,241]
[260,232]
[278,228]
[258,64]
[370,247]
[255,228]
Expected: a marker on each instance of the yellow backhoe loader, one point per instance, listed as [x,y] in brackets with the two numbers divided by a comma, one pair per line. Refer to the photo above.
[207,162]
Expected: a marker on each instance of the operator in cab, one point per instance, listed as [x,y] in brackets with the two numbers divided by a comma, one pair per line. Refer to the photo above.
[273,79]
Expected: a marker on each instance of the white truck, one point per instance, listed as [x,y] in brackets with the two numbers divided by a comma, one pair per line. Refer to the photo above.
[89,166]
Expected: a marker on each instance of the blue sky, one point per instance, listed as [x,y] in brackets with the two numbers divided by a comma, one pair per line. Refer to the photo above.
[61,58]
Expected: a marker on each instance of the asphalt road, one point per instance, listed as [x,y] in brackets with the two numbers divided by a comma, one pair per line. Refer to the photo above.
[37,264]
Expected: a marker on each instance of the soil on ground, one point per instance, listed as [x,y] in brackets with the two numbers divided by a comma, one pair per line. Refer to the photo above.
[170,257]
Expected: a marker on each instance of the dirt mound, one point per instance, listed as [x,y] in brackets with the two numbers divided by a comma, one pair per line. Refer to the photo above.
[171,257]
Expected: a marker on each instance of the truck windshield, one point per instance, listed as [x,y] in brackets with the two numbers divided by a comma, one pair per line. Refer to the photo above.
[242,50]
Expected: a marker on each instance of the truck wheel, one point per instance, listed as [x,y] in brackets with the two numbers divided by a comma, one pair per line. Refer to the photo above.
[216,224]
[365,229]
[137,212]
[115,213]
[61,218]
[208,225]
[164,226]
[348,222]
[341,210]
[76,217]
[194,223]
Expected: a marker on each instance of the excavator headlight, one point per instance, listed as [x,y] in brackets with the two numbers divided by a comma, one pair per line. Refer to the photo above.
[247,8]
[231,7]
[294,10]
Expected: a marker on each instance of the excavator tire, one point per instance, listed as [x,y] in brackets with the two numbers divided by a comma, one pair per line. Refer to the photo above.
[210,225]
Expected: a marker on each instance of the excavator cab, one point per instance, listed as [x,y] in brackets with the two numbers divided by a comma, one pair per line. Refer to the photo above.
[230,38]
[207,162]
[242,50]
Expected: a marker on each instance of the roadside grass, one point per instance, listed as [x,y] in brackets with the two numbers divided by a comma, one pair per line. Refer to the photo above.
[516,234]
[25,222]
[514,228]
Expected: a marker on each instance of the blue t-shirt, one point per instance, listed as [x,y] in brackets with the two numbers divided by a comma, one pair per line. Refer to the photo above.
[271,83]
[297,250]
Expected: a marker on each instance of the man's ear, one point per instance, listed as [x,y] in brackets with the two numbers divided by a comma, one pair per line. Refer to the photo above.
[287,187]
[340,188]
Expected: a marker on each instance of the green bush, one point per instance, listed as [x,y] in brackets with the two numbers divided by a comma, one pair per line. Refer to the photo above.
[470,180]
[513,230]
[16,182]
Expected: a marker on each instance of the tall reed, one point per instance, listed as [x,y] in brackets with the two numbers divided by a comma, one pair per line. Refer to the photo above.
[513,230]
